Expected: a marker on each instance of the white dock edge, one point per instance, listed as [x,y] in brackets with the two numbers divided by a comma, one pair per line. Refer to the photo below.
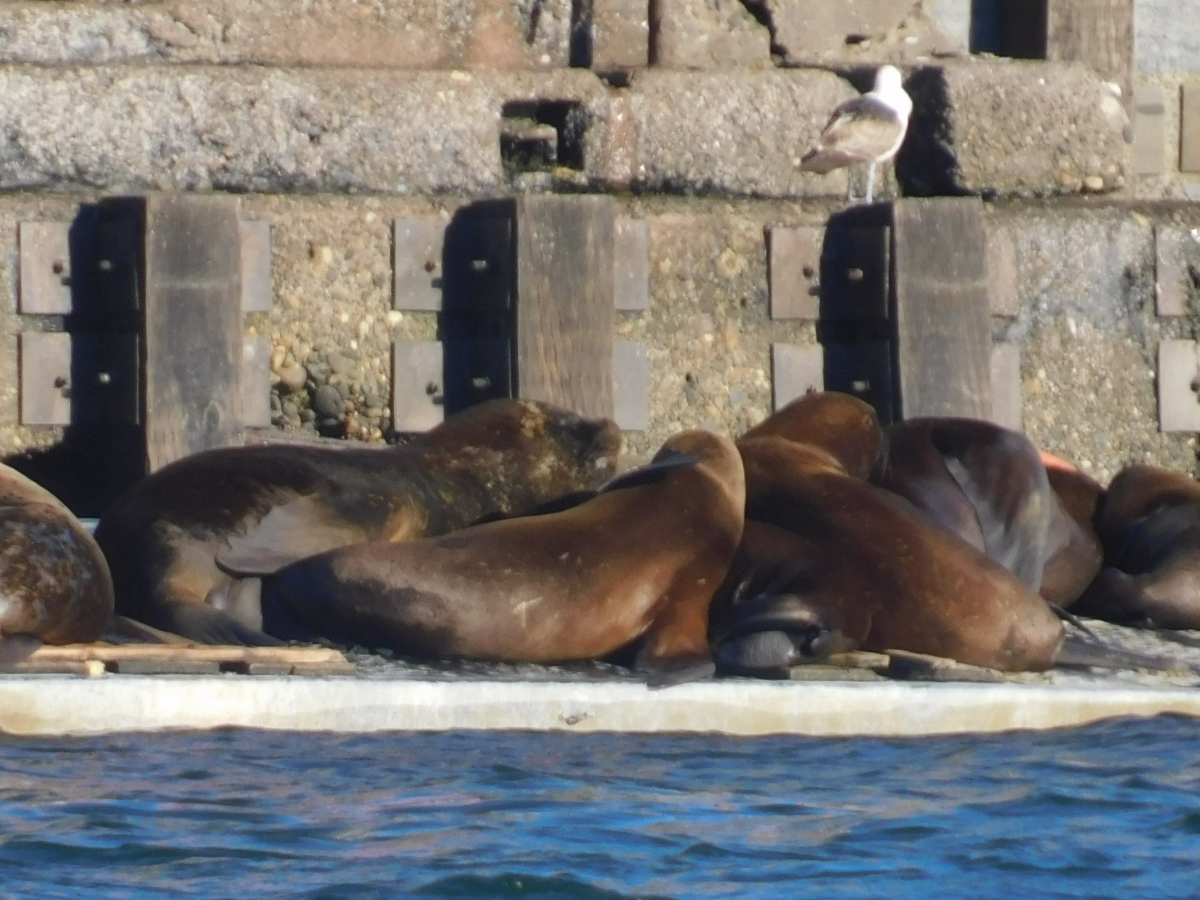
[58,706]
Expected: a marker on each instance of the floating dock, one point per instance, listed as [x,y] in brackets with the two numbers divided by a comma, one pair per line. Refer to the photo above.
[58,705]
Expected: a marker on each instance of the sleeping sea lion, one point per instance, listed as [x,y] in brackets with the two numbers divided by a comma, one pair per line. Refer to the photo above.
[54,584]
[1074,554]
[982,482]
[1149,523]
[290,501]
[894,580]
[635,565]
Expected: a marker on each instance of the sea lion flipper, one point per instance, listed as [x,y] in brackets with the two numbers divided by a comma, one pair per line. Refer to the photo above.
[653,472]
[206,625]
[668,673]
[289,532]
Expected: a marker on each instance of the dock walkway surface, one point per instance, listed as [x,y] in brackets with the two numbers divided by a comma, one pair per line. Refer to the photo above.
[372,693]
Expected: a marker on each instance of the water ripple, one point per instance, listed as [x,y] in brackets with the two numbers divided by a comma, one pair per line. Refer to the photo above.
[1111,810]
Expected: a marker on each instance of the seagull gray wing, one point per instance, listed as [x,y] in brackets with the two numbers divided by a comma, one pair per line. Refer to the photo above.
[861,130]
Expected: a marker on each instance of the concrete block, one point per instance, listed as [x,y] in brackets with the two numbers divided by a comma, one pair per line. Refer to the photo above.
[807,29]
[144,128]
[1149,129]
[1014,128]
[1166,39]
[620,34]
[864,33]
[1006,386]
[795,272]
[1176,268]
[631,385]
[1178,383]
[1004,299]
[754,128]
[631,264]
[1189,128]
[389,34]
[796,369]
[708,34]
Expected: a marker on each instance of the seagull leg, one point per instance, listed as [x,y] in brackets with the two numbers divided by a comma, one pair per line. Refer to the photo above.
[870,183]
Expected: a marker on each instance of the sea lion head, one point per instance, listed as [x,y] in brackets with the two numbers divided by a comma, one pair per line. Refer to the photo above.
[842,425]
[530,452]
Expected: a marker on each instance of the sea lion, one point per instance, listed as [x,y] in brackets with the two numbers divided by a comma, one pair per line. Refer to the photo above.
[893,579]
[1148,521]
[290,501]
[982,482]
[840,424]
[635,565]
[1074,553]
[54,584]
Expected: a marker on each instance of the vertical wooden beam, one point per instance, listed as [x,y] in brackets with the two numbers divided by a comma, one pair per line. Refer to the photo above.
[1096,32]
[565,313]
[193,327]
[940,308]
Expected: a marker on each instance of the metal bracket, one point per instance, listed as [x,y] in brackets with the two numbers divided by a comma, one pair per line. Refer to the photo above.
[418,393]
[796,369]
[1178,384]
[1177,268]
[631,385]
[45,273]
[79,379]
[795,270]
[256,265]
[631,264]
[417,264]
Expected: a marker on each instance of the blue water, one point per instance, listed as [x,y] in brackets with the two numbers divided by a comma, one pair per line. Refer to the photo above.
[1107,811]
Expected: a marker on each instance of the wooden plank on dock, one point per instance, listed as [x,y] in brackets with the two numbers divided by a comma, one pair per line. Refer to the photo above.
[193,328]
[1096,32]
[93,660]
[565,303]
[941,310]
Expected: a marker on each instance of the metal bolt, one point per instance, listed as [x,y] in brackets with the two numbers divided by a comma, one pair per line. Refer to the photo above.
[431,388]
[430,265]
[103,378]
[481,382]
[479,265]
[861,386]
[58,267]
[60,382]
[855,274]
[809,272]
[105,265]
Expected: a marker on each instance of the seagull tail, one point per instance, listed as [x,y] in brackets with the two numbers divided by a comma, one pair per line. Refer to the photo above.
[821,161]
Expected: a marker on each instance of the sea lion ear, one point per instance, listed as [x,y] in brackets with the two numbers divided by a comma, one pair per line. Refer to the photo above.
[666,461]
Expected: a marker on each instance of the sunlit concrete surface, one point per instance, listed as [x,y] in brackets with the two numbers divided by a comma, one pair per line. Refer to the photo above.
[56,705]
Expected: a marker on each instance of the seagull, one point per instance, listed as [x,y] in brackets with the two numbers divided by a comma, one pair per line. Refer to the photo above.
[868,129]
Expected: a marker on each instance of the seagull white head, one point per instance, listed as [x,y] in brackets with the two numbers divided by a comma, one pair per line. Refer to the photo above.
[890,89]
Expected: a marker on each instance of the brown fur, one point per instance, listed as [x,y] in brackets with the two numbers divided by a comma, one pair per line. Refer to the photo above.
[919,587]
[291,501]
[633,565]
[54,584]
